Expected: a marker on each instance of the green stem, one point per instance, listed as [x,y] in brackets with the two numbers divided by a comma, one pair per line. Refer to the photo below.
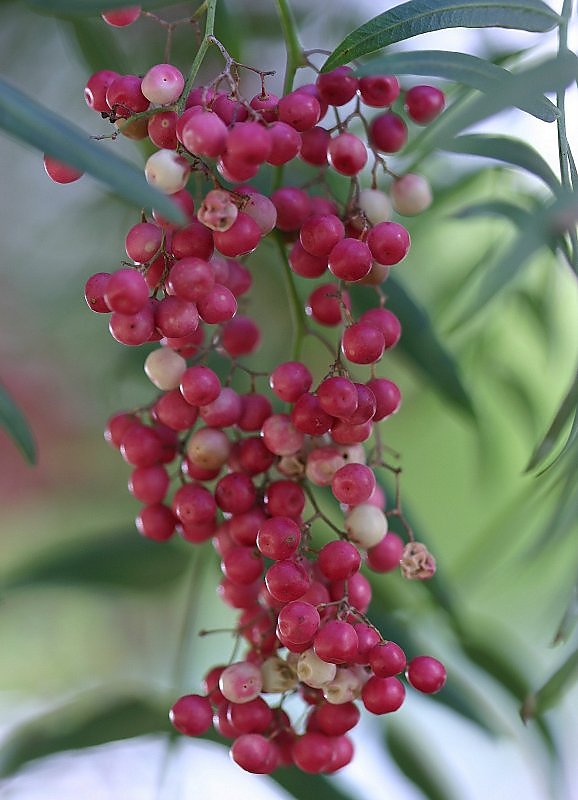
[295,57]
[211,6]
[297,310]
[567,166]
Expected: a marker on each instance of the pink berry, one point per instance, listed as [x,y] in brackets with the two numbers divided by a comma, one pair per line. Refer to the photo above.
[338,86]
[387,396]
[223,411]
[426,674]
[320,233]
[336,642]
[204,134]
[191,278]
[240,682]
[314,145]
[240,336]
[350,259]
[388,242]
[217,305]
[192,715]
[124,96]
[163,84]
[324,304]
[287,580]
[346,153]
[59,172]
[304,264]
[353,484]
[278,538]
[301,111]
[122,17]
[339,560]
[298,621]
[256,754]
[387,659]
[241,238]
[383,695]
[285,498]
[386,554]
[388,132]
[94,292]
[96,88]
[126,291]
[385,321]
[162,130]
[293,207]
[200,385]
[248,142]
[290,380]
[424,103]
[309,417]
[143,241]
[266,105]
[337,396]
[281,436]
[194,240]
[362,344]
[313,752]
[379,90]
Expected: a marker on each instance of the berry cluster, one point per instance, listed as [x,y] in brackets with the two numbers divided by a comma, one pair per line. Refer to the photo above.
[250,466]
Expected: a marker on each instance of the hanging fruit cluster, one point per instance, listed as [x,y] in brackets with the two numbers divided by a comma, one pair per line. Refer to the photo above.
[249,465]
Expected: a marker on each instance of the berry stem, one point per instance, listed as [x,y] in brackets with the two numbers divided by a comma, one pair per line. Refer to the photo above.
[297,311]
[211,6]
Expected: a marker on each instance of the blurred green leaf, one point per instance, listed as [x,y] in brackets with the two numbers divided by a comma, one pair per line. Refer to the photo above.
[27,120]
[305,786]
[422,16]
[422,345]
[459,67]
[496,208]
[88,7]
[87,721]
[97,45]
[567,408]
[569,618]
[551,75]
[16,426]
[537,703]
[498,665]
[508,150]
[416,765]
[124,561]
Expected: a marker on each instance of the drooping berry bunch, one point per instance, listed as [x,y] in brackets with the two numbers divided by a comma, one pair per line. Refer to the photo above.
[251,466]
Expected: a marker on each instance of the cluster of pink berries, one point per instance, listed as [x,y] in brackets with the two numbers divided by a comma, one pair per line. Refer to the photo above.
[248,469]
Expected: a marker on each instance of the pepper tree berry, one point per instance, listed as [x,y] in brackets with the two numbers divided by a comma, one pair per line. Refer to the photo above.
[240,464]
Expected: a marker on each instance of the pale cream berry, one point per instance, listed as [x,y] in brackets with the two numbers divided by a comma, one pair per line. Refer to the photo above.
[209,448]
[411,194]
[322,464]
[344,688]
[167,171]
[353,453]
[277,675]
[218,211]
[314,672]
[366,525]
[165,368]
[375,205]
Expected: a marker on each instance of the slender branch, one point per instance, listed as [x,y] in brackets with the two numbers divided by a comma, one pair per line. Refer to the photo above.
[297,310]
[211,6]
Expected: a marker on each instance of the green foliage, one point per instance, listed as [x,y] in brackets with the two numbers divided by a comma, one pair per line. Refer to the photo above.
[15,424]
[423,16]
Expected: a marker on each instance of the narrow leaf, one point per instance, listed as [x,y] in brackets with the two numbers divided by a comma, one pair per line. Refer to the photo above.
[551,75]
[550,694]
[422,16]
[462,68]
[30,122]
[495,208]
[84,722]
[566,410]
[417,766]
[508,150]
[421,344]
[569,619]
[304,786]
[123,561]
[16,426]
[88,7]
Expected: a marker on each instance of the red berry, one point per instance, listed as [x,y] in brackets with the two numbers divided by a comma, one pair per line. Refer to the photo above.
[424,103]
[388,132]
[383,695]
[192,715]
[379,90]
[426,674]
[338,86]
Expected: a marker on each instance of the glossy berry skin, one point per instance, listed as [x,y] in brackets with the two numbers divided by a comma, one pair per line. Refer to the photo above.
[126,291]
[388,242]
[339,560]
[426,674]
[94,291]
[124,96]
[336,642]
[192,715]
[96,88]
[362,344]
[300,110]
[379,90]
[424,103]
[387,659]
[386,322]
[320,233]
[387,397]
[278,538]
[338,86]
[287,580]
[163,84]
[59,172]
[383,695]
[122,17]
[350,260]
[353,484]
[386,555]
[313,752]
[255,754]
[290,380]
[388,132]
[324,304]
[298,621]
[346,153]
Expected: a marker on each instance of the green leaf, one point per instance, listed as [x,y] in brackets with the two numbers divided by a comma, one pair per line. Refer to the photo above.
[16,426]
[422,16]
[551,75]
[98,45]
[88,7]
[462,68]
[123,561]
[568,407]
[508,150]
[550,694]
[416,764]
[304,786]
[30,122]
[569,618]
[421,344]
[495,208]
[544,228]
[86,721]
[507,674]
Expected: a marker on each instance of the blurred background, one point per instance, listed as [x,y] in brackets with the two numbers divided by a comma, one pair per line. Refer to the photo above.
[98,628]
